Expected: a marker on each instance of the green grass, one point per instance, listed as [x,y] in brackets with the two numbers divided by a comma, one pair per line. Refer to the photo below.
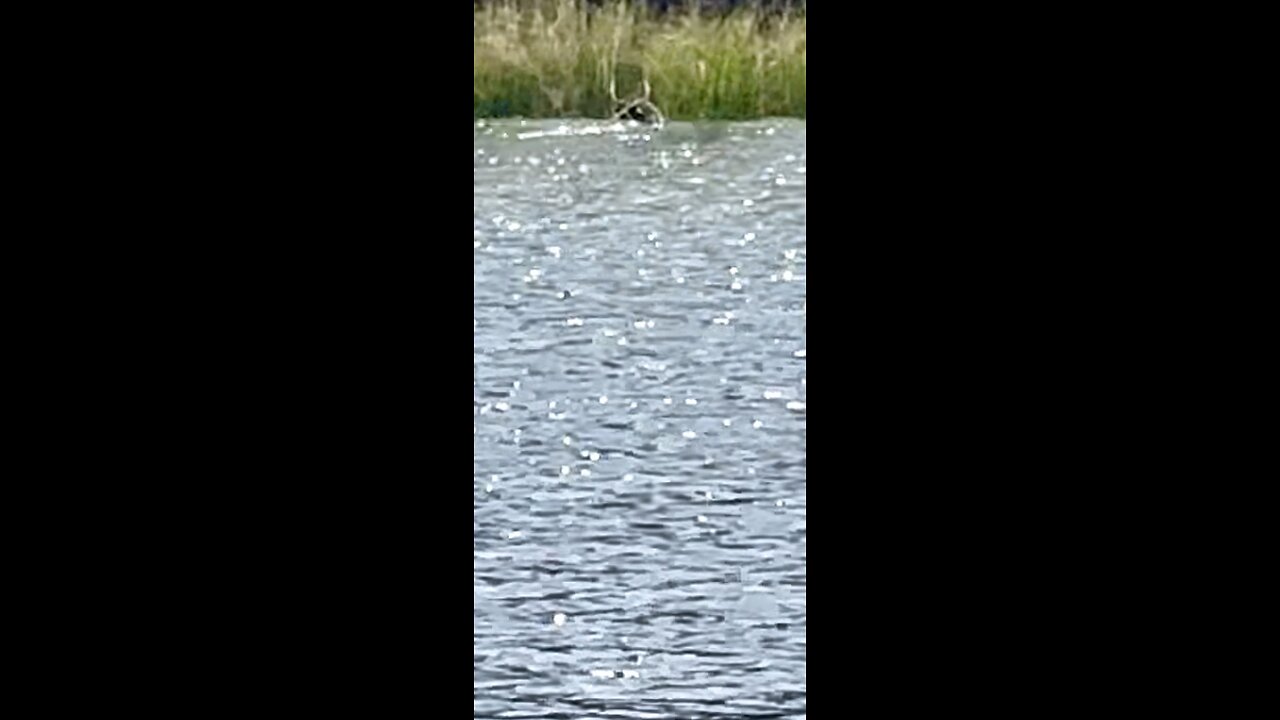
[555,58]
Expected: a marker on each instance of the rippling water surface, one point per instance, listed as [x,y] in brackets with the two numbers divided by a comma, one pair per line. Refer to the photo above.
[639,421]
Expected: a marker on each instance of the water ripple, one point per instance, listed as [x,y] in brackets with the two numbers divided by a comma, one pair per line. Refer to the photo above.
[639,396]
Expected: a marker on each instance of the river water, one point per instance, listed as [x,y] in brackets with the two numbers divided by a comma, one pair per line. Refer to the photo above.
[639,420]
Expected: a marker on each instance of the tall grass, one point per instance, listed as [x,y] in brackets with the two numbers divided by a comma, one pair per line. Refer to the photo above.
[555,58]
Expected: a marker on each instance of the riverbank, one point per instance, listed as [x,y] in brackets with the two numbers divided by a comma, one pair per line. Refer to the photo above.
[560,60]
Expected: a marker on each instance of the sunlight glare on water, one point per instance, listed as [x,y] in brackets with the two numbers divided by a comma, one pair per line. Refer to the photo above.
[639,420]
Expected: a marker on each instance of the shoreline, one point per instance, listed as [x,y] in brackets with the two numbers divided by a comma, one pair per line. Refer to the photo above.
[568,59]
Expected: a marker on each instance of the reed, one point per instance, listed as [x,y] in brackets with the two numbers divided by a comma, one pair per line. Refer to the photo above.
[557,58]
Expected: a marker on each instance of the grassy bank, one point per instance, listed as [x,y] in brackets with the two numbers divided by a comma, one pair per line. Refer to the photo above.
[557,58]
